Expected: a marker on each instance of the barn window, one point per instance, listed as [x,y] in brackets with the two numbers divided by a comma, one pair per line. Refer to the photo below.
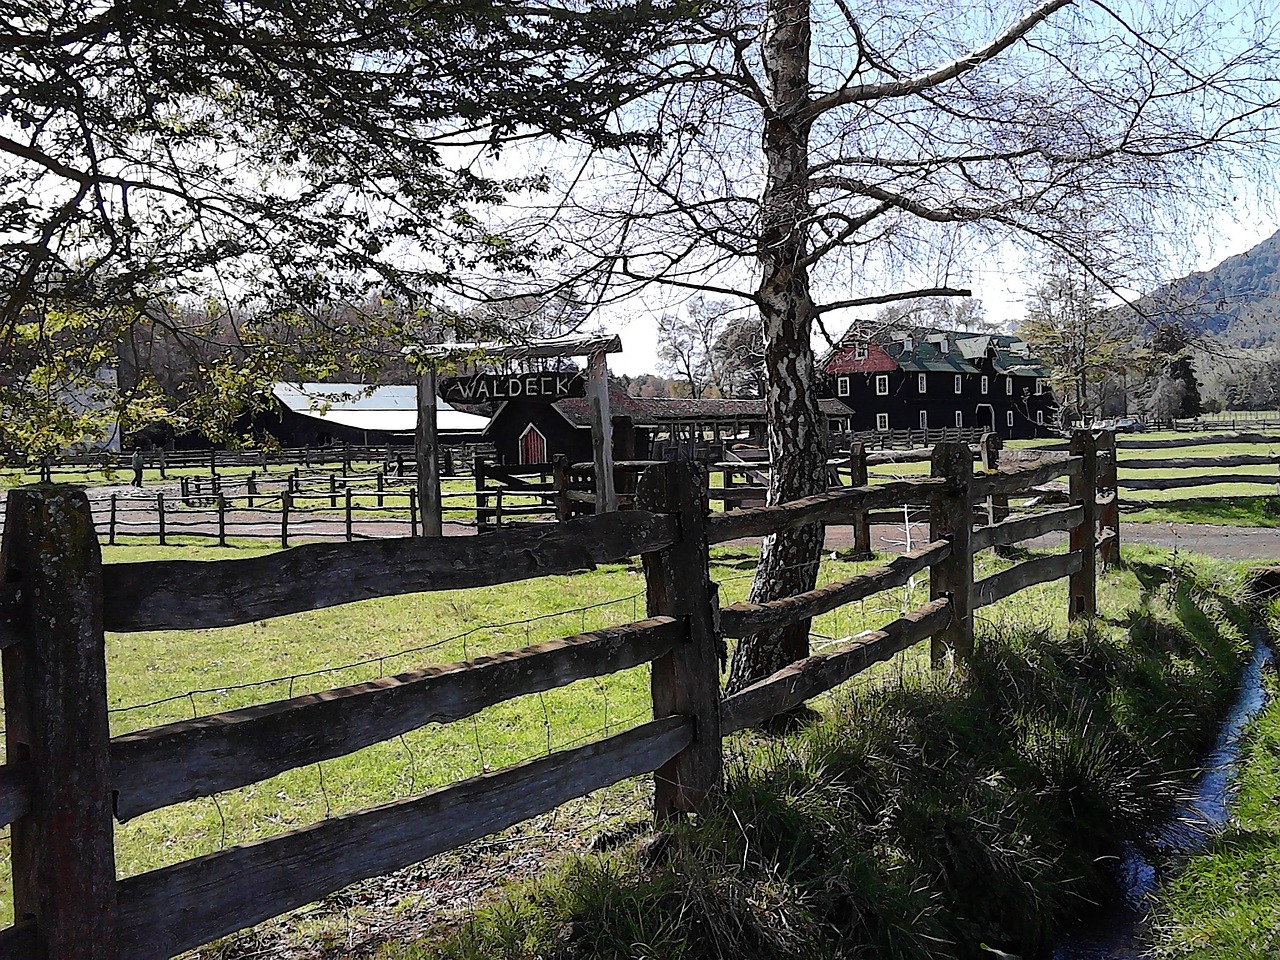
[1008,386]
[1040,417]
[882,421]
[842,386]
[986,384]
[959,419]
[533,445]
[959,383]
[924,420]
[882,386]
[921,382]
[1039,386]
[1008,418]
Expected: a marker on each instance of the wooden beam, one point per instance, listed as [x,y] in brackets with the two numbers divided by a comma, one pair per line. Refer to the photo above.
[1083,592]
[427,451]
[1026,574]
[601,432]
[805,679]
[1016,529]
[1201,463]
[197,758]
[15,791]
[193,594]
[831,507]
[743,619]
[1010,481]
[1204,480]
[1197,440]
[170,910]
[560,347]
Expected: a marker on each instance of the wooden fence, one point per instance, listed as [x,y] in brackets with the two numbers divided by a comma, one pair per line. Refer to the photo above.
[67,781]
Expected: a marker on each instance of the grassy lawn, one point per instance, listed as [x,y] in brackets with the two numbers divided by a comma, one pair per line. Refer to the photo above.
[1225,903]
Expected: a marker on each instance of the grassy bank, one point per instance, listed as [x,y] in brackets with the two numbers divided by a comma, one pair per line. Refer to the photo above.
[1224,904]
[925,815]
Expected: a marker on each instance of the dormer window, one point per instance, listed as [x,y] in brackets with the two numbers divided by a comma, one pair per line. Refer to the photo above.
[940,343]
[859,351]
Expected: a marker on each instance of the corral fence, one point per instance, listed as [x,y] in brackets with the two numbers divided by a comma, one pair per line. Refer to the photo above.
[67,781]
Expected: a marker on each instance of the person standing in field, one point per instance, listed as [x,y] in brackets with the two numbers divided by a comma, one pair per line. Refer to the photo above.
[137,466]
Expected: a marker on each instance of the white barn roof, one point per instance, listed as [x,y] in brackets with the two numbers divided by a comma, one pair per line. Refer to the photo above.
[391,409]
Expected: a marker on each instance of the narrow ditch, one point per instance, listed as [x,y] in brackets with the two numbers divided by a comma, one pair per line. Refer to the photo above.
[1116,932]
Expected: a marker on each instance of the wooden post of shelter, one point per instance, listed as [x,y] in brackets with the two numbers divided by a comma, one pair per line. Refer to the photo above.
[1083,601]
[685,681]
[55,692]
[601,431]
[951,518]
[560,470]
[428,456]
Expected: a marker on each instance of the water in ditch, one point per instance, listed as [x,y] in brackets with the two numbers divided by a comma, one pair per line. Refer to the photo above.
[1116,933]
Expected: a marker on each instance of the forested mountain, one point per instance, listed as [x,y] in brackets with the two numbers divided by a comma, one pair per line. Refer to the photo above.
[1237,301]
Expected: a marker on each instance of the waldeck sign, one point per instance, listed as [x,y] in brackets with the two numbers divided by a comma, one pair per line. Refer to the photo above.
[544,387]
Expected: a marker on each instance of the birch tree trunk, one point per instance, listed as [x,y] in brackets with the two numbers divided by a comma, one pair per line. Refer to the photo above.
[788,561]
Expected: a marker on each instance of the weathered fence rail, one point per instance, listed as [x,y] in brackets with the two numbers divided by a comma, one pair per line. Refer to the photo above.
[67,782]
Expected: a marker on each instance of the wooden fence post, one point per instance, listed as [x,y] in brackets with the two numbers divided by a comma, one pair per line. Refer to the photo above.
[1083,602]
[1109,515]
[413,512]
[111,525]
[859,477]
[560,470]
[482,499]
[222,520]
[951,518]
[333,489]
[685,681]
[251,487]
[55,691]
[160,515]
[286,500]
[381,485]
[348,504]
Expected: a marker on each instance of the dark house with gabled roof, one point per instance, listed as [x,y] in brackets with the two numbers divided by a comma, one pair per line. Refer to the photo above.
[935,379]
[645,428]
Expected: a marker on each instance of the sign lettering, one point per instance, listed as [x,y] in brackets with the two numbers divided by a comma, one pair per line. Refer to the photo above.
[539,387]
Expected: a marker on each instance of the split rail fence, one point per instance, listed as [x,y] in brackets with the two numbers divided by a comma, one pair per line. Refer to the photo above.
[67,781]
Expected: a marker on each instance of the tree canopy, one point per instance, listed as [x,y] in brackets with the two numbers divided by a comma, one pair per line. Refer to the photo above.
[276,160]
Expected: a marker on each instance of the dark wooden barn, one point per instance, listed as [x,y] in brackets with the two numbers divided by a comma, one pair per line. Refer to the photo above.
[934,379]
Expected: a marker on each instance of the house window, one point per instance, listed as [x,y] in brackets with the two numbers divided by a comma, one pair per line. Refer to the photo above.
[842,386]
[1008,418]
[986,384]
[882,421]
[859,351]
[1008,386]
[1039,386]
[1040,417]
[922,382]
[924,420]
[882,386]
[533,445]
[959,419]
[959,382]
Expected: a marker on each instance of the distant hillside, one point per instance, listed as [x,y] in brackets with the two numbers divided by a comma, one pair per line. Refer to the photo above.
[1239,299]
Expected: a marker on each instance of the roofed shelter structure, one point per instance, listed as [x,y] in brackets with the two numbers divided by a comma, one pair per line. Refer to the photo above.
[434,356]
[317,414]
